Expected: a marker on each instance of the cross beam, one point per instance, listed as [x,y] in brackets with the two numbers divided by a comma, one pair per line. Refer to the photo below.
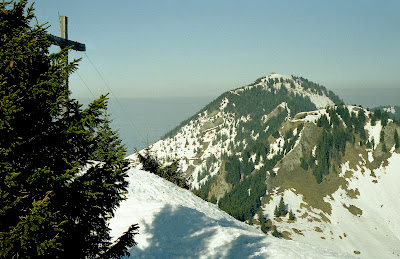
[63,40]
[66,43]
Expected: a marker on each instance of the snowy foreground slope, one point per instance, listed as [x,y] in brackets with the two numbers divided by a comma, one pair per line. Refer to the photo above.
[174,223]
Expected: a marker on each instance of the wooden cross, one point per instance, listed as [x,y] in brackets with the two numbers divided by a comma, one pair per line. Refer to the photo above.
[63,40]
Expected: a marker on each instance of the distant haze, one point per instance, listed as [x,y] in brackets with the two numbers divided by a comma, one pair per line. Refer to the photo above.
[368,97]
[146,120]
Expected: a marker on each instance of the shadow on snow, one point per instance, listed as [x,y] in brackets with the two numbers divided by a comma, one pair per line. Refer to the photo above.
[187,233]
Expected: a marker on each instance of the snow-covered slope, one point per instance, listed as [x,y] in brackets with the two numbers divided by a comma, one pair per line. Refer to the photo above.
[366,224]
[174,223]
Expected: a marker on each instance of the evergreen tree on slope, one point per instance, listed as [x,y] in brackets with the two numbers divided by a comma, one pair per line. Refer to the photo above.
[54,202]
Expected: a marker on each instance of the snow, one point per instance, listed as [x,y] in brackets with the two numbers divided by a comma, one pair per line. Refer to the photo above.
[373,232]
[275,75]
[390,110]
[174,223]
[379,207]
[320,101]
[224,103]
[374,132]
[276,147]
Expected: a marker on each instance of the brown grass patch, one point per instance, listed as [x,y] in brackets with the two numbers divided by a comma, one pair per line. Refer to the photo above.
[353,193]
[291,175]
[304,215]
[298,232]
[324,218]
[286,235]
[353,210]
[318,229]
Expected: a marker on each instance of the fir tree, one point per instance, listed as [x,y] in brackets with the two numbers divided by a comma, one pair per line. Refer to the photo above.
[49,206]
[396,139]
[277,212]
[263,222]
[282,208]
[169,172]
[291,215]
[384,148]
[304,163]
[275,232]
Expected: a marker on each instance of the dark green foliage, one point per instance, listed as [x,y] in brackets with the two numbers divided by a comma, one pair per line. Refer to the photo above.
[322,153]
[344,114]
[384,148]
[323,122]
[232,168]
[204,189]
[280,210]
[263,222]
[396,139]
[377,114]
[239,203]
[169,172]
[395,116]
[246,167]
[291,215]
[334,117]
[380,114]
[304,163]
[275,232]
[105,141]
[277,212]
[385,118]
[120,248]
[318,174]
[54,201]
[275,134]
[331,145]
[213,200]
[282,207]
[382,136]
[149,161]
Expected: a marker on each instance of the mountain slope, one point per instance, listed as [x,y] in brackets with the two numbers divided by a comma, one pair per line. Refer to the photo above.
[231,123]
[176,224]
[354,208]
[286,137]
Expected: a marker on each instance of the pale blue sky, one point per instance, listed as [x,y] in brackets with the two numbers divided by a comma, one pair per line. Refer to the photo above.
[204,48]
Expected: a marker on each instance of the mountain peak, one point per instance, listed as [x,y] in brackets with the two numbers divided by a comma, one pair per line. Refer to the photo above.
[274,75]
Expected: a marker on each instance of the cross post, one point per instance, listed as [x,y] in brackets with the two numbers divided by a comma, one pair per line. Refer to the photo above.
[63,40]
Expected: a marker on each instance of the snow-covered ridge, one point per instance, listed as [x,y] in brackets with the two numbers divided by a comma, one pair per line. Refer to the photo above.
[174,223]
